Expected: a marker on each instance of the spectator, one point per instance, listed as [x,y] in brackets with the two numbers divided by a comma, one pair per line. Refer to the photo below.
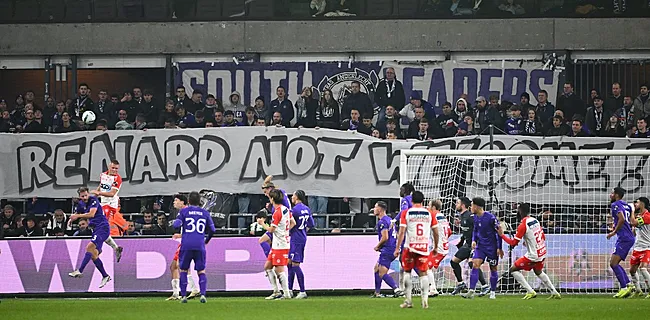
[3,105]
[211,105]
[141,123]
[195,103]
[366,126]
[277,120]
[209,124]
[6,125]
[545,110]
[57,118]
[532,126]
[130,231]
[641,129]
[570,103]
[558,128]
[461,110]
[168,113]
[160,228]
[181,98]
[466,128]
[256,229]
[391,125]
[199,118]
[59,220]
[615,101]
[391,135]
[218,118]
[261,111]
[283,105]
[146,222]
[306,107]
[390,92]
[641,105]
[514,124]
[123,121]
[260,122]
[115,99]
[137,97]
[235,105]
[48,111]
[30,228]
[101,125]
[494,103]
[328,114]
[414,124]
[576,129]
[129,106]
[58,232]
[18,113]
[29,98]
[230,120]
[40,206]
[417,101]
[34,123]
[447,122]
[389,112]
[485,116]
[83,229]
[596,117]
[613,128]
[8,221]
[356,100]
[376,133]
[351,124]
[104,109]
[82,103]
[592,93]
[184,118]
[625,114]
[251,118]
[66,124]
[524,103]
[148,108]
[424,133]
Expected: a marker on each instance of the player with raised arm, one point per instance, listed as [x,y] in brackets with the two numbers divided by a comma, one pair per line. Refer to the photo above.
[416,226]
[531,232]
[405,203]
[304,221]
[465,247]
[282,222]
[193,221]
[386,249]
[621,212]
[436,256]
[641,252]
[110,183]
[180,202]
[97,221]
[486,243]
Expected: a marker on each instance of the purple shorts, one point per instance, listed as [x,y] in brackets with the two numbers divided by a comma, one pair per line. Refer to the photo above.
[297,252]
[187,256]
[490,256]
[99,236]
[623,248]
[385,259]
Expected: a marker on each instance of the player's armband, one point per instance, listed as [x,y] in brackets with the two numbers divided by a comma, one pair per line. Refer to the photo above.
[639,221]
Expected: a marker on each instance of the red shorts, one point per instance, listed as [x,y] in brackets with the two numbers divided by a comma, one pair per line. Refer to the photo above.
[524,263]
[412,260]
[639,257]
[435,260]
[178,251]
[278,257]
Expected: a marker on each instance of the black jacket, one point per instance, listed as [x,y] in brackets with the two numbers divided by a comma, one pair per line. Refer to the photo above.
[328,115]
[106,111]
[592,122]
[359,101]
[397,97]
[35,127]
[563,130]
[571,105]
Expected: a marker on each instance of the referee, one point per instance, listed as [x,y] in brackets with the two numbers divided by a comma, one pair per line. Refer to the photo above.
[465,247]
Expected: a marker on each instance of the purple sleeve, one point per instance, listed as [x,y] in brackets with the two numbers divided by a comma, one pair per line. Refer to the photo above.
[404,204]
[179,219]
[208,218]
[310,221]
[475,231]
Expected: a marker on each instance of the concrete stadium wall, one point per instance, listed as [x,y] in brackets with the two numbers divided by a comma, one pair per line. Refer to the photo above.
[325,36]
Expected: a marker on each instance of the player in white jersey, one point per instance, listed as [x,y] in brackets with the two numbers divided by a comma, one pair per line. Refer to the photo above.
[641,251]
[530,231]
[444,232]
[415,228]
[282,221]
[110,183]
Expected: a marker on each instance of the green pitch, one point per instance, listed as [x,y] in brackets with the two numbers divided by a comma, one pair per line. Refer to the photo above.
[356,307]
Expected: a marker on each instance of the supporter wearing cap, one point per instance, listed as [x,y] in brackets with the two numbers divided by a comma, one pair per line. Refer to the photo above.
[485,116]
[229,119]
[513,125]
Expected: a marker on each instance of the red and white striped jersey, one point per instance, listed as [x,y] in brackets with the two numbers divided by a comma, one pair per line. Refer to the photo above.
[106,183]
[282,222]
[530,231]
[418,222]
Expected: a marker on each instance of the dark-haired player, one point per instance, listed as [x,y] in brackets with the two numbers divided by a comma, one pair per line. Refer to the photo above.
[530,231]
[641,252]
[621,212]
[282,221]
[405,203]
[486,243]
[194,220]
[304,221]
[180,202]
[415,231]
[97,220]
[386,248]
[464,252]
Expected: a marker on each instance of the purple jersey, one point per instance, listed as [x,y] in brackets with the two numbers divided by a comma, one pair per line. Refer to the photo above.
[485,232]
[404,204]
[304,221]
[385,224]
[625,232]
[285,202]
[99,220]
[194,220]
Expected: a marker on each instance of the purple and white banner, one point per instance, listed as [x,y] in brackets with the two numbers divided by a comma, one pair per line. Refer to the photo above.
[235,264]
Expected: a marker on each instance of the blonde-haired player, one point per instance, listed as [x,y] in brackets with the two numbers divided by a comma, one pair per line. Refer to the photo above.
[110,183]
[416,226]
[444,232]
[641,251]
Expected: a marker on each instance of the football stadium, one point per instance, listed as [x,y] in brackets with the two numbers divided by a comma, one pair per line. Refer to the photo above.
[324,159]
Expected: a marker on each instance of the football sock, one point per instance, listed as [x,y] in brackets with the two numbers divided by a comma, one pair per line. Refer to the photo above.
[401,280]
[272,279]
[473,278]
[292,276]
[494,278]
[111,243]
[432,281]
[100,266]
[522,281]
[203,283]
[389,281]
[621,275]
[646,275]
[85,261]
[377,282]
[183,282]
[301,278]
[407,287]
[282,276]
[424,285]
[190,281]
[176,287]
[458,272]
[547,282]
